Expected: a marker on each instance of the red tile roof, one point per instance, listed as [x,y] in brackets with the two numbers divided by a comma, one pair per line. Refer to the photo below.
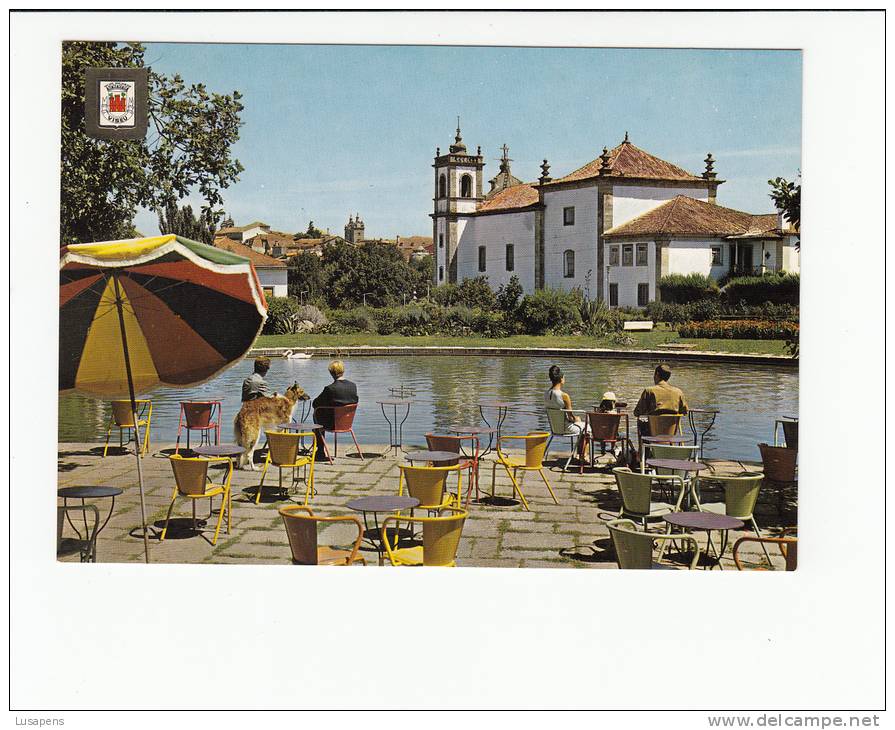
[626,160]
[517,196]
[260,260]
[683,215]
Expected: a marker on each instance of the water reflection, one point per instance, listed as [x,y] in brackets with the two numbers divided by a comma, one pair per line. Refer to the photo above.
[448,389]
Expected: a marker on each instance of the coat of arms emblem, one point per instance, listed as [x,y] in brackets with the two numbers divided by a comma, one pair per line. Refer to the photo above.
[117,103]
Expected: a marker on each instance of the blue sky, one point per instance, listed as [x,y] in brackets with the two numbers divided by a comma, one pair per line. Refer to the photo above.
[333,130]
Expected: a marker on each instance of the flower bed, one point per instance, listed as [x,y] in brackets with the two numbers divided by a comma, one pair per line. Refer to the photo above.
[740,329]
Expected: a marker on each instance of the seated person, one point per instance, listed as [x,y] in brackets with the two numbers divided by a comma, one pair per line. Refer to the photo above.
[660,399]
[608,403]
[557,399]
[340,392]
[255,386]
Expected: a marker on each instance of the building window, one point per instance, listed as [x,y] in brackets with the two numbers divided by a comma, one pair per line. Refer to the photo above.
[466,186]
[441,273]
[628,255]
[642,295]
[440,240]
[716,256]
[510,257]
[568,216]
[641,254]
[482,258]
[268,292]
[613,295]
[568,264]
[613,255]
[442,186]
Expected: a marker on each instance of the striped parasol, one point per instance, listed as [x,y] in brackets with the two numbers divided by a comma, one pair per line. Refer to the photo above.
[189,311]
[142,312]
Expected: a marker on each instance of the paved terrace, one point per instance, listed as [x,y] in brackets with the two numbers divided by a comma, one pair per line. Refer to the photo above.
[569,535]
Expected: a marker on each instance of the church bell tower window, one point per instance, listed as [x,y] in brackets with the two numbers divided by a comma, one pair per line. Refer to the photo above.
[466,186]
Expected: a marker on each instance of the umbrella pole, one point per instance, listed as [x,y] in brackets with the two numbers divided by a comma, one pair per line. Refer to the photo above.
[130,385]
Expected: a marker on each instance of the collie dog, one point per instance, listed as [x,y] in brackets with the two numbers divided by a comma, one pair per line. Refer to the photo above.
[259,414]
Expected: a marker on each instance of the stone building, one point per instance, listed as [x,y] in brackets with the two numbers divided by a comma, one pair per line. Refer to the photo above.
[612,228]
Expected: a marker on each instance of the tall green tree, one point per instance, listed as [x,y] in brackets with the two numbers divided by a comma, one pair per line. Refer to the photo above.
[183,222]
[787,197]
[306,274]
[187,148]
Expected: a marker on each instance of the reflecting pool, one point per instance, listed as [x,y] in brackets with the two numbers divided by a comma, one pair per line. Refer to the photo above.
[448,388]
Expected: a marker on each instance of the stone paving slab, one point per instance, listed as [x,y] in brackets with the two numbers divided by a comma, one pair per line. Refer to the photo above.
[499,533]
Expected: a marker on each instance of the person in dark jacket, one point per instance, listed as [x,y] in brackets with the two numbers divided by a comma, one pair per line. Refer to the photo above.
[340,392]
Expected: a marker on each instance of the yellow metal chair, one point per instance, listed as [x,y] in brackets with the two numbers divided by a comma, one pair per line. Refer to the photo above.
[535,449]
[429,484]
[301,529]
[191,477]
[123,419]
[441,538]
[284,452]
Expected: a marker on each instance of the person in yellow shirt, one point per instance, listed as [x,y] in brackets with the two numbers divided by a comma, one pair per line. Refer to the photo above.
[662,398]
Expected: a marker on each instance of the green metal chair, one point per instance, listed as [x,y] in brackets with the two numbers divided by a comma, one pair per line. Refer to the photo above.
[634,550]
[740,495]
[636,493]
[667,451]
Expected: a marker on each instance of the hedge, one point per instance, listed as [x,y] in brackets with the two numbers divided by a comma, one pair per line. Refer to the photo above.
[776,288]
[681,288]
[740,329]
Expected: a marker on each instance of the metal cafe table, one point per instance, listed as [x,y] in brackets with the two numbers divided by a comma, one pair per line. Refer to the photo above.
[683,465]
[503,408]
[395,426]
[89,492]
[376,504]
[435,457]
[707,521]
[708,417]
[675,439]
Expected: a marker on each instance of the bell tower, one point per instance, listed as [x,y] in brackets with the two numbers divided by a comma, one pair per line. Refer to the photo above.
[458,191]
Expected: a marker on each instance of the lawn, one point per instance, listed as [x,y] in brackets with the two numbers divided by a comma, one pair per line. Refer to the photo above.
[642,341]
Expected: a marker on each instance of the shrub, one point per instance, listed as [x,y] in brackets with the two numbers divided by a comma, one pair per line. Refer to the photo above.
[353,320]
[281,316]
[597,319]
[550,310]
[310,313]
[508,295]
[476,294]
[775,288]
[684,288]
[446,295]
[740,329]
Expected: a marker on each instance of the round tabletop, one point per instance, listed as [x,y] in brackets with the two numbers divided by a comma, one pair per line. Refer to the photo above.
[703,410]
[497,404]
[89,492]
[677,438]
[299,426]
[677,464]
[395,401]
[703,521]
[382,503]
[473,430]
[435,456]
[219,450]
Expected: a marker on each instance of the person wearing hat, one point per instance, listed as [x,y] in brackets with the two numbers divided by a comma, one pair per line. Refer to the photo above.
[255,386]
[607,403]
[660,399]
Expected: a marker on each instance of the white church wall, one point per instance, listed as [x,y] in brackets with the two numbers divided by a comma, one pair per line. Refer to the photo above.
[629,277]
[580,238]
[495,232]
[628,202]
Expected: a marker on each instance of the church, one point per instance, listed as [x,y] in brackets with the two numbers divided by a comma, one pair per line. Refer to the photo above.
[612,228]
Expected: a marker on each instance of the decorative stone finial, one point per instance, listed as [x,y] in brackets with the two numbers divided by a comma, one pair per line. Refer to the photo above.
[626,137]
[505,159]
[604,162]
[438,151]
[545,173]
[458,145]
[709,173]
[478,151]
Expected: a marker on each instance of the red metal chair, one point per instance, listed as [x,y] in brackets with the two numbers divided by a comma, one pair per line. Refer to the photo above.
[454,445]
[343,422]
[203,416]
[603,430]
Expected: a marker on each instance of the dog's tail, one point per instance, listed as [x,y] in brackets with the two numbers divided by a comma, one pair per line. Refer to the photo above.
[238,433]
